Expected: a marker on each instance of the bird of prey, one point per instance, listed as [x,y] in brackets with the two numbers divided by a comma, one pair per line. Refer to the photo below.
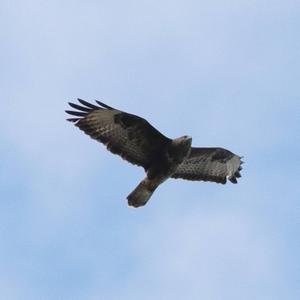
[137,141]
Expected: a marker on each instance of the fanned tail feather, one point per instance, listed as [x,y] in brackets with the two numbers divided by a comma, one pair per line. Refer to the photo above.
[141,194]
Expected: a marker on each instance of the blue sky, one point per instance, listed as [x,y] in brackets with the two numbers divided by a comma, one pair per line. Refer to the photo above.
[225,72]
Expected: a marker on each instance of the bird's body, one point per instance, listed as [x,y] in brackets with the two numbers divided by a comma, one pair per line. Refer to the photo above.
[137,141]
[162,168]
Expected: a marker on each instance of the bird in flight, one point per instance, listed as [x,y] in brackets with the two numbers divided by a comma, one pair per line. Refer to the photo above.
[137,141]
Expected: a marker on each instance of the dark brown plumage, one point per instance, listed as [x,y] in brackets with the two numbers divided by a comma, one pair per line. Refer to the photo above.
[137,141]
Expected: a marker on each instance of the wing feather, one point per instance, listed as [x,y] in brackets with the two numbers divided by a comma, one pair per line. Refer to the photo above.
[130,136]
[210,164]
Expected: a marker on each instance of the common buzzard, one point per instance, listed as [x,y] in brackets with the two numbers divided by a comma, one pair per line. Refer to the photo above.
[137,141]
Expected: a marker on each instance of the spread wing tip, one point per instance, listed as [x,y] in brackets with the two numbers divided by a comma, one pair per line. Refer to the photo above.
[233,179]
[75,113]
[104,105]
[85,108]
[74,120]
[237,174]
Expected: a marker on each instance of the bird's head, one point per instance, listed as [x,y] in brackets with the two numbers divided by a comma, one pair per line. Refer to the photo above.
[181,147]
[185,140]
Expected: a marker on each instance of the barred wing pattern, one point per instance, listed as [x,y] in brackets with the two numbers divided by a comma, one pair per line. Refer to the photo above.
[210,164]
[130,136]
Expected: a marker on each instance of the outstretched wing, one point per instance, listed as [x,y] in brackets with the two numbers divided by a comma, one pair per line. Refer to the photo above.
[210,164]
[127,135]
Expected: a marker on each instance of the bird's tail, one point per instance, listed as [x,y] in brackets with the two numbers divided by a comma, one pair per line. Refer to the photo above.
[142,193]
